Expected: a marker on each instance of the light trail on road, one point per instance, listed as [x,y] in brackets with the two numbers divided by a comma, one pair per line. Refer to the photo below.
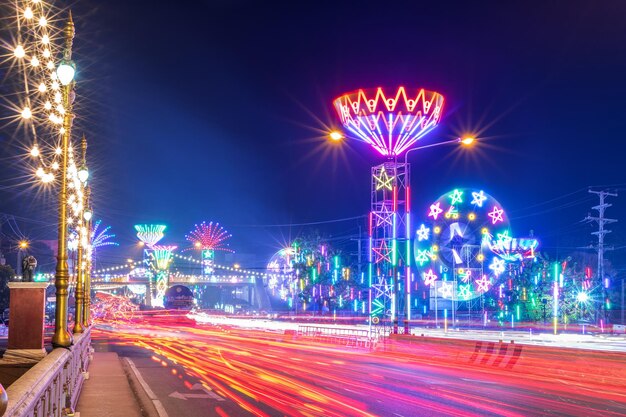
[271,374]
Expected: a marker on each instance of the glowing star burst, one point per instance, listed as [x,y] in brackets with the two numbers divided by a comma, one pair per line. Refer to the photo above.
[150,234]
[430,277]
[497,266]
[384,180]
[390,122]
[456,197]
[465,292]
[496,215]
[445,290]
[101,238]
[423,233]
[483,283]
[478,198]
[209,237]
[435,210]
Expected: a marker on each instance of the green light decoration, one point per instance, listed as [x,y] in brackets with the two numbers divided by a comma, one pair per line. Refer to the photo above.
[161,257]
[378,307]
[150,234]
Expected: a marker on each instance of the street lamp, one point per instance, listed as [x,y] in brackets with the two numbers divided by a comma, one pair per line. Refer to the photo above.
[65,72]
[466,141]
[336,136]
[82,174]
[87,215]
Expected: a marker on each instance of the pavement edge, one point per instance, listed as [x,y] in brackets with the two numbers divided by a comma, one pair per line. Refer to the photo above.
[146,403]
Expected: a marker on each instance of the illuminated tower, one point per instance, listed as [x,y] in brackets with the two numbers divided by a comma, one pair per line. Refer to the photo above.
[161,257]
[149,235]
[209,238]
[391,123]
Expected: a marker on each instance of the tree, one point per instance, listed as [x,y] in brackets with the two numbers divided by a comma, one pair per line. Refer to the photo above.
[324,275]
[6,275]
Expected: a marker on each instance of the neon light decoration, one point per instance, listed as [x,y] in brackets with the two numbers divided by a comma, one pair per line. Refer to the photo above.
[209,237]
[101,238]
[150,234]
[161,257]
[459,248]
[391,122]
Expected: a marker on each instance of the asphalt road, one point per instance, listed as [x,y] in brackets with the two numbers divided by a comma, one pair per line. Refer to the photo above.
[205,370]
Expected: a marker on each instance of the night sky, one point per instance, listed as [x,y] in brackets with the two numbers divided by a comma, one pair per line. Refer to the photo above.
[216,110]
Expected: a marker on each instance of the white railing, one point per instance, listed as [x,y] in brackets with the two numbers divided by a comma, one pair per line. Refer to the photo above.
[51,387]
[349,337]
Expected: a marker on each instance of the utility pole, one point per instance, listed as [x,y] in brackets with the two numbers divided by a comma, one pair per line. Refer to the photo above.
[600,247]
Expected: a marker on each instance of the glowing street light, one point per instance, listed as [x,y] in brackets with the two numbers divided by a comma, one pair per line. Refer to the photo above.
[467,141]
[336,136]
[65,73]
[23,244]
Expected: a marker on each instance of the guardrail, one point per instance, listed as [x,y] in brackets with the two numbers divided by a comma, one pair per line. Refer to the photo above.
[566,363]
[338,335]
[51,387]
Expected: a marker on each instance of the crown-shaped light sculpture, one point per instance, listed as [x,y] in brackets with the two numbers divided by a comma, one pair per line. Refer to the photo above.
[162,256]
[150,234]
[390,121]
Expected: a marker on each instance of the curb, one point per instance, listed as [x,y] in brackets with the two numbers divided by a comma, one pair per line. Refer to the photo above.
[149,405]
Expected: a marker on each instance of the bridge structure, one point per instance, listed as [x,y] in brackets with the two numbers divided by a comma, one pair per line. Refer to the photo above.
[225,285]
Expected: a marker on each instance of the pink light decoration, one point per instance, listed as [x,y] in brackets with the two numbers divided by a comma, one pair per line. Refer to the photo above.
[390,122]
[430,277]
[209,237]
[496,215]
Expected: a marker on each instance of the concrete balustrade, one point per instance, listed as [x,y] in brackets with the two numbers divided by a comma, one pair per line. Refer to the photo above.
[51,387]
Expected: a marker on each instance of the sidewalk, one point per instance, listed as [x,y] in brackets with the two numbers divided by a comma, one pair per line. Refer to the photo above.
[107,392]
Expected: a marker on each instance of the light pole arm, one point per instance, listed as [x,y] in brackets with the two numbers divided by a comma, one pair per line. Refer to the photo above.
[447,142]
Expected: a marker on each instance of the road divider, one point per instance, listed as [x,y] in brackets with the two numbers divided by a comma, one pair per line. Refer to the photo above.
[589,366]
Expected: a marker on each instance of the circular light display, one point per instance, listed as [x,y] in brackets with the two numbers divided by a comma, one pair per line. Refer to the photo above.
[452,246]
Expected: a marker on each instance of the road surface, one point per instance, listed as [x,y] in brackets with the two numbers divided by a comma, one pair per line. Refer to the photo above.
[215,370]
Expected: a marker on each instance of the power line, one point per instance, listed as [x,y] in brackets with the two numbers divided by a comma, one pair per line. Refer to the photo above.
[302,224]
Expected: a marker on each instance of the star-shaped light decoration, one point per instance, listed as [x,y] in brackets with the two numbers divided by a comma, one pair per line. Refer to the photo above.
[497,266]
[496,215]
[385,216]
[382,252]
[478,198]
[465,292]
[383,180]
[435,210]
[456,197]
[504,238]
[422,233]
[430,277]
[422,257]
[445,290]
[483,284]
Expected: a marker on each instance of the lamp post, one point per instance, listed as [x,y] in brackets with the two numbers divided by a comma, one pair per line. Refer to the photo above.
[464,141]
[83,175]
[65,73]
[337,136]
[87,215]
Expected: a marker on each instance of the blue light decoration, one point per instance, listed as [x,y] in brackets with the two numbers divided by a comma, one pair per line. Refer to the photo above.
[464,245]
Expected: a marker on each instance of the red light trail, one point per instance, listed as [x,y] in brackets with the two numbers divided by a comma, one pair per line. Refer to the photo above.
[266,373]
